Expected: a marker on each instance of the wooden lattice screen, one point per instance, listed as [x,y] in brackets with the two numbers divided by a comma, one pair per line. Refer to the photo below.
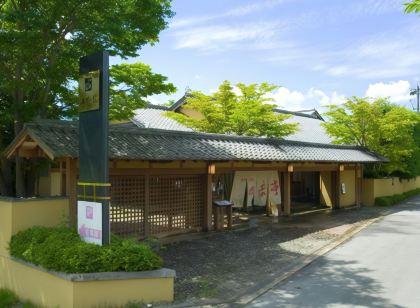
[176,203]
[173,204]
[127,205]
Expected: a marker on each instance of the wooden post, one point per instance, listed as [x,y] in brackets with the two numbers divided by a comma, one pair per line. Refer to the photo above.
[208,206]
[286,192]
[359,179]
[71,188]
[336,187]
[281,205]
[146,205]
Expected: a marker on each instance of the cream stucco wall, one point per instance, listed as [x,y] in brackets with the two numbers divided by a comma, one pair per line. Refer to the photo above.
[50,290]
[17,215]
[34,285]
[348,177]
[120,292]
[373,188]
[5,226]
[326,194]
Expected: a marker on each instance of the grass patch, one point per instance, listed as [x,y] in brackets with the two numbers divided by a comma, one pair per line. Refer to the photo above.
[206,288]
[391,200]
[8,299]
[61,249]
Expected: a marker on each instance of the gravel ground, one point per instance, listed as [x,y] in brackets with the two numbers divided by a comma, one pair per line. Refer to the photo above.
[221,266]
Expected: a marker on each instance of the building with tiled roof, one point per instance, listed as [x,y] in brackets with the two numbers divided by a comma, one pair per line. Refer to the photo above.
[309,122]
[164,176]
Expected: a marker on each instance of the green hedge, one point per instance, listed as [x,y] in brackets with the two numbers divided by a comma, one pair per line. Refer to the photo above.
[391,200]
[61,249]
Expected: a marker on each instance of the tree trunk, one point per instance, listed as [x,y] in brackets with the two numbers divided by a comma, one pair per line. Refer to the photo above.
[20,177]
[6,178]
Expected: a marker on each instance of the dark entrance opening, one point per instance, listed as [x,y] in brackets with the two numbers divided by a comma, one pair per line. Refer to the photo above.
[305,191]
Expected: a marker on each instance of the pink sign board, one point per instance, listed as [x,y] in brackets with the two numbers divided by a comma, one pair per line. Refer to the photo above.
[89,221]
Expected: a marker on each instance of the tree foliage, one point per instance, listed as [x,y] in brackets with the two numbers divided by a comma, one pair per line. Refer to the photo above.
[41,42]
[130,85]
[224,112]
[412,7]
[380,126]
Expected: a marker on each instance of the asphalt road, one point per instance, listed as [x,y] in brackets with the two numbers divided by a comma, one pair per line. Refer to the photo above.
[379,267]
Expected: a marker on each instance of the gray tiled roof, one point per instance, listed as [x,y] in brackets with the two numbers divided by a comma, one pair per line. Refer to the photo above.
[155,118]
[61,140]
[309,130]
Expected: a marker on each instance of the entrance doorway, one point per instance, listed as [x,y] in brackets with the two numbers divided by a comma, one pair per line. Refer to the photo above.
[305,191]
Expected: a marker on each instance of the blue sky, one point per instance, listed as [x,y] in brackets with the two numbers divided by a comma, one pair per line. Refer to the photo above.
[318,51]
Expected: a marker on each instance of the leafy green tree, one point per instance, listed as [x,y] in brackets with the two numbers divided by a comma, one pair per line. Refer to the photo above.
[412,7]
[130,85]
[379,126]
[41,42]
[224,112]
[413,163]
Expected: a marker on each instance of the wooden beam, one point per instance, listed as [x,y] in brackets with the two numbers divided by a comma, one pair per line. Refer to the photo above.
[29,144]
[336,188]
[281,205]
[286,185]
[314,168]
[221,170]
[158,171]
[358,184]
[146,206]
[14,149]
[208,202]
[27,153]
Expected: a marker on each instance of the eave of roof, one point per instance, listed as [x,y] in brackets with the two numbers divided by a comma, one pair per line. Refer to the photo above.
[60,139]
[178,103]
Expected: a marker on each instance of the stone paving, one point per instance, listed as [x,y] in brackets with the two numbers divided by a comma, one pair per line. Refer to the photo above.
[220,267]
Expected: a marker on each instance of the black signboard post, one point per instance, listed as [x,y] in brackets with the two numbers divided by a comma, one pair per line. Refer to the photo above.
[93,184]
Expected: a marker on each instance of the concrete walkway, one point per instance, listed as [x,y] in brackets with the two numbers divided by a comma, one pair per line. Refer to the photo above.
[234,267]
[379,267]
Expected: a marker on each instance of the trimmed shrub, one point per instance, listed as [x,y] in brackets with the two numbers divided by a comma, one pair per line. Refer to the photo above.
[391,200]
[8,299]
[61,249]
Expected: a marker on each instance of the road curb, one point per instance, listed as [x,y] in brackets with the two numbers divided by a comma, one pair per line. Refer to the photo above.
[305,261]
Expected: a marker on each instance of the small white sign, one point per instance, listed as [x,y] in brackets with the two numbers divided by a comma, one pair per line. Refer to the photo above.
[89,221]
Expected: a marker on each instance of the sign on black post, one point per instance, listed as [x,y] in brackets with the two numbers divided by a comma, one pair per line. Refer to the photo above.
[93,185]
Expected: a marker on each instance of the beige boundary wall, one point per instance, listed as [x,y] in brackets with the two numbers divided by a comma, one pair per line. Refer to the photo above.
[373,188]
[51,289]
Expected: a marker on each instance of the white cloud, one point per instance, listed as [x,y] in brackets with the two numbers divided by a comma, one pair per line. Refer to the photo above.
[392,54]
[313,98]
[324,99]
[398,91]
[213,38]
[290,100]
[237,11]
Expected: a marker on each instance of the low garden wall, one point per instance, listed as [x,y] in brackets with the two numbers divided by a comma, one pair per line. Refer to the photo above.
[373,188]
[52,289]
